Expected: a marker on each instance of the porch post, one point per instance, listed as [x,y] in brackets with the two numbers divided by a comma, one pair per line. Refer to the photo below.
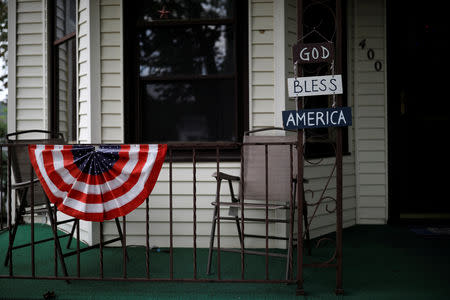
[89,90]
[11,113]
[339,182]
[300,193]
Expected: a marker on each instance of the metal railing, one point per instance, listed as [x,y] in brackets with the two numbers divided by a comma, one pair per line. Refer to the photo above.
[214,152]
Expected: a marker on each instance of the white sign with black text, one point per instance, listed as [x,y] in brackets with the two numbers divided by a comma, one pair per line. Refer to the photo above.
[315,86]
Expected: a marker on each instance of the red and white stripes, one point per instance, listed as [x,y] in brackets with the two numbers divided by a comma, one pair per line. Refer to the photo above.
[108,195]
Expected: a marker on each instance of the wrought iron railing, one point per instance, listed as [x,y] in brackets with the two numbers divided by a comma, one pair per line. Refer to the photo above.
[197,275]
[7,202]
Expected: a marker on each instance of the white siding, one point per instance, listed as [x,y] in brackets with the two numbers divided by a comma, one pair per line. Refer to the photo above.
[111,107]
[111,70]
[317,175]
[83,79]
[30,70]
[262,71]
[206,187]
[183,226]
[89,90]
[370,112]
[291,39]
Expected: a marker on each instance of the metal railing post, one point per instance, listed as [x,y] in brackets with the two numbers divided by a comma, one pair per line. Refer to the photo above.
[194,217]
[9,190]
[171,212]
[218,216]
[33,254]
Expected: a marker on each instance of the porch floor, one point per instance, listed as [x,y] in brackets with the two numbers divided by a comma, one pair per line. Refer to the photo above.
[380,262]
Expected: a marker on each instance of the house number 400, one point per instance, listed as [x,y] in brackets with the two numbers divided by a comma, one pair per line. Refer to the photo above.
[371,56]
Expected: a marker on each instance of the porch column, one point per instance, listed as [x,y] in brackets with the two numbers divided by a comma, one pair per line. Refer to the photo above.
[89,103]
[89,116]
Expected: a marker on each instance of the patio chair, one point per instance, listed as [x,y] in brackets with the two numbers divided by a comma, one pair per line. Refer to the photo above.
[279,188]
[21,168]
[21,172]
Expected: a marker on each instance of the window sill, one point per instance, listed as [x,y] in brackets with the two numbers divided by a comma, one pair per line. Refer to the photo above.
[204,152]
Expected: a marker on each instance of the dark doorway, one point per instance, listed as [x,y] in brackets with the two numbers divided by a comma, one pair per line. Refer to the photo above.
[418,106]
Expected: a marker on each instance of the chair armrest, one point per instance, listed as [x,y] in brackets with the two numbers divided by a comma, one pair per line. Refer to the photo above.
[24,184]
[219,176]
[225,176]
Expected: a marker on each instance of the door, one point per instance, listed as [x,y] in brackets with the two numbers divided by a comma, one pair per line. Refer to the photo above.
[418,103]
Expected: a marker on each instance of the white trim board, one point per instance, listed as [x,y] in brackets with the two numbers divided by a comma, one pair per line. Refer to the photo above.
[279,43]
[250,68]
[12,66]
[94,105]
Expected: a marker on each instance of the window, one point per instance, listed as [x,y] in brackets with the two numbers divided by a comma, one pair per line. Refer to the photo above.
[186,70]
[63,96]
[320,25]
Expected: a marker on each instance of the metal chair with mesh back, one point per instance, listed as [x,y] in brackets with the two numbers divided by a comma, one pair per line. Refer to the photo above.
[29,191]
[280,179]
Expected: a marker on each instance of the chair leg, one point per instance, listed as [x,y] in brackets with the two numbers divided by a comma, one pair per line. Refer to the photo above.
[305,220]
[212,235]
[13,236]
[211,241]
[289,258]
[238,227]
[56,238]
[119,229]
[17,220]
[75,224]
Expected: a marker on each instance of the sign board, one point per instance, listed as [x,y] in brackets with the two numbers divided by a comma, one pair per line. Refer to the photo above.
[312,53]
[315,85]
[317,118]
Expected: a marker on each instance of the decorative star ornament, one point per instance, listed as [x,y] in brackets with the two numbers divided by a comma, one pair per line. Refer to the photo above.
[163,13]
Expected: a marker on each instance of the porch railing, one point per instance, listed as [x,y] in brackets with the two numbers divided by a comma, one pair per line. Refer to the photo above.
[222,274]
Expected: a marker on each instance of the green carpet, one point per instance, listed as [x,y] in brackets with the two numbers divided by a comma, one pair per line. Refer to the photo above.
[380,262]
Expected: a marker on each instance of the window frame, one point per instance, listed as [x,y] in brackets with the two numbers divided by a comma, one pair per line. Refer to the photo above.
[132,78]
[53,72]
